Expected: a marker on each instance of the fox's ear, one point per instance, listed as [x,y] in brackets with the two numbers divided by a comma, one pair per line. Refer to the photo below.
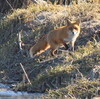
[68,22]
[78,21]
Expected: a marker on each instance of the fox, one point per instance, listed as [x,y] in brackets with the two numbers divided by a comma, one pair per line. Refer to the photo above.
[56,38]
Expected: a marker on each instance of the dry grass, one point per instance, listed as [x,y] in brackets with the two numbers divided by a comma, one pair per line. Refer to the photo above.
[82,88]
[82,10]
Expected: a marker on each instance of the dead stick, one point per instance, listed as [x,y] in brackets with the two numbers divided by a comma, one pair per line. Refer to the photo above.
[19,40]
[47,60]
[9,5]
[25,74]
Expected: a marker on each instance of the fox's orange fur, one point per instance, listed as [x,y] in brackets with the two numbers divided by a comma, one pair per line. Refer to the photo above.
[56,38]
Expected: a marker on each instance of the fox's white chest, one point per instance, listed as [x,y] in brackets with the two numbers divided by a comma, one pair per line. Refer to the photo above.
[71,37]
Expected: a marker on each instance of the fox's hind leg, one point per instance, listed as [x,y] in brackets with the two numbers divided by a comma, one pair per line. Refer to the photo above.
[53,47]
[53,51]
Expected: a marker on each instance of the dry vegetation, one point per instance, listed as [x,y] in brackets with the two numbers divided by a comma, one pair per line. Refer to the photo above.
[70,74]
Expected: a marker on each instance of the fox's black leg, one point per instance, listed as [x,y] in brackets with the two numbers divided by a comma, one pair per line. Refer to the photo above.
[66,46]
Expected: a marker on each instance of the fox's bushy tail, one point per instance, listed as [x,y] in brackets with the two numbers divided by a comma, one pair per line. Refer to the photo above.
[39,47]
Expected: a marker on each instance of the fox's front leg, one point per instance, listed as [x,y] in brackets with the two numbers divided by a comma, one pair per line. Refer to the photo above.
[66,46]
[72,45]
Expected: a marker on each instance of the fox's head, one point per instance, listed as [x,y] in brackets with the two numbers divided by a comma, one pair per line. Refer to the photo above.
[73,27]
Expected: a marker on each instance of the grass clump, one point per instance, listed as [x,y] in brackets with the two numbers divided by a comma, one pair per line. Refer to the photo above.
[51,77]
[57,77]
[62,76]
[82,88]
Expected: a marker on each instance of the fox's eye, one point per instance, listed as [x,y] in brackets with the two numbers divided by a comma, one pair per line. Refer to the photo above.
[76,28]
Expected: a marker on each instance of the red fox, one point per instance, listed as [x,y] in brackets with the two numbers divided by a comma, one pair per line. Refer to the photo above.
[56,38]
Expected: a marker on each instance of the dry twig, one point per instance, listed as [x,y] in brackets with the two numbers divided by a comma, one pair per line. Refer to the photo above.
[9,5]
[25,74]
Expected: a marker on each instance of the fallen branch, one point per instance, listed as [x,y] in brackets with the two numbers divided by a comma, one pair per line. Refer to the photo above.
[25,74]
[56,57]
